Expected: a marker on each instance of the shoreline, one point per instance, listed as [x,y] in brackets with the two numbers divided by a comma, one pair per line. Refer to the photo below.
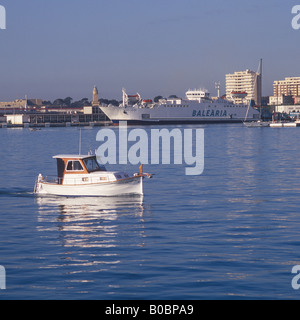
[56,125]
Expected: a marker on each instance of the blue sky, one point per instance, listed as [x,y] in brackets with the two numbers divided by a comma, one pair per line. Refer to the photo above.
[54,49]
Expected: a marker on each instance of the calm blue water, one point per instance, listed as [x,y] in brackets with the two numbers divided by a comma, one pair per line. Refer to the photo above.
[231,233]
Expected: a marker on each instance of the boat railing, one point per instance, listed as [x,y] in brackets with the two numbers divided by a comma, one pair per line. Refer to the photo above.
[53,179]
[90,180]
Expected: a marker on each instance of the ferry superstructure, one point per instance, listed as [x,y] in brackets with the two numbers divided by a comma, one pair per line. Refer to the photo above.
[197,107]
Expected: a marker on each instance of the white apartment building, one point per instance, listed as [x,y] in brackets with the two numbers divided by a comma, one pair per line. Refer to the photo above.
[244,81]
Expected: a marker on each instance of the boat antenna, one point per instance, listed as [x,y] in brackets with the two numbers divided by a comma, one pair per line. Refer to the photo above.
[80,141]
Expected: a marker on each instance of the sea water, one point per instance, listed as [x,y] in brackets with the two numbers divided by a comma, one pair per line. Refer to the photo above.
[232,232]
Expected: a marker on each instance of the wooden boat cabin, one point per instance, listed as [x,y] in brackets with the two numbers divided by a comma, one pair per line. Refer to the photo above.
[85,169]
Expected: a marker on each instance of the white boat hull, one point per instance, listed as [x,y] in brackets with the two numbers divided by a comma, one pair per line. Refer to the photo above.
[122,187]
[256,124]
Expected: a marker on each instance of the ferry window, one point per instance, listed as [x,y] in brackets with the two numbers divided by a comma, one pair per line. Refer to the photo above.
[91,164]
[74,166]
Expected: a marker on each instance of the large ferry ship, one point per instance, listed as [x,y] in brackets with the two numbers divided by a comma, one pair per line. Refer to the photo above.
[197,107]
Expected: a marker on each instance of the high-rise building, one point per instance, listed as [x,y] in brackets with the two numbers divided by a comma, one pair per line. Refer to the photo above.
[289,87]
[248,82]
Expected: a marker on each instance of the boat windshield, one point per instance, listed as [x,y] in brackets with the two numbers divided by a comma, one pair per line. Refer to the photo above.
[92,165]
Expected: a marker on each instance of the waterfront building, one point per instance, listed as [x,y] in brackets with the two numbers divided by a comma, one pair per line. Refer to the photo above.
[288,109]
[18,103]
[32,112]
[281,100]
[17,119]
[286,91]
[290,86]
[244,81]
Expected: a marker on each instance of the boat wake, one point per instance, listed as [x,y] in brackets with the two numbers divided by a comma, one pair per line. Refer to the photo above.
[16,192]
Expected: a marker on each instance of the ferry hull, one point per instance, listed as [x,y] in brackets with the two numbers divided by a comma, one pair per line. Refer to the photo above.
[129,186]
[181,121]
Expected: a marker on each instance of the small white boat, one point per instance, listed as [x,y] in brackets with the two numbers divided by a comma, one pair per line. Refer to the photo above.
[258,123]
[81,175]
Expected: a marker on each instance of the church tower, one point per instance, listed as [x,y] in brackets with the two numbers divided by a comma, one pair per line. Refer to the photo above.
[95,102]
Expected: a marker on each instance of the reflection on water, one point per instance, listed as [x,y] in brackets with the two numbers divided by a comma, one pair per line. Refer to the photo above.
[86,221]
[92,234]
[90,205]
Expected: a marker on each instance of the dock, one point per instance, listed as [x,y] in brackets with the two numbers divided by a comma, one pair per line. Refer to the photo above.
[57,125]
[285,124]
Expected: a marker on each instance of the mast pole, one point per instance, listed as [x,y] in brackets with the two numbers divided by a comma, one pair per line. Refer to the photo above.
[80,141]
[260,89]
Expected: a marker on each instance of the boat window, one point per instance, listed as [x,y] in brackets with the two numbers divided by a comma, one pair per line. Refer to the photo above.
[60,170]
[74,166]
[91,164]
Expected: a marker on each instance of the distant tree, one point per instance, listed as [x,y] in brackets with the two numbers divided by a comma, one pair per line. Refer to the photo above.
[47,103]
[58,102]
[173,96]
[85,102]
[115,102]
[157,98]
[107,101]
[67,101]
[75,104]
[81,103]
[103,101]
